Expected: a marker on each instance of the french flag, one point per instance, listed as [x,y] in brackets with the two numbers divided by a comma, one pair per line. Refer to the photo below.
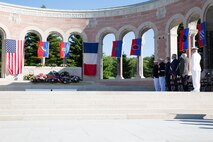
[201,34]
[136,47]
[184,39]
[64,49]
[43,49]
[90,58]
[116,48]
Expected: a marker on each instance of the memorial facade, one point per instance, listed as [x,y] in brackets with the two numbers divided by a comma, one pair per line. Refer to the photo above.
[162,16]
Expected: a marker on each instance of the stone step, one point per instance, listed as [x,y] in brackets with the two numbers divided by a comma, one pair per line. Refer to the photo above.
[104,105]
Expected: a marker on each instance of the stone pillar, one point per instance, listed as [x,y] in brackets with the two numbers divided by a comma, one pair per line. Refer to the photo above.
[100,61]
[140,66]
[43,61]
[173,41]
[119,68]
[192,34]
[3,59]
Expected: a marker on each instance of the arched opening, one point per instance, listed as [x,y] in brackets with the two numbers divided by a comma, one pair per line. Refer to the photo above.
[109,63]
[174,33]
[208,50]
[76,50]
[54,40]
[129,62]
[30,49]
[148,52]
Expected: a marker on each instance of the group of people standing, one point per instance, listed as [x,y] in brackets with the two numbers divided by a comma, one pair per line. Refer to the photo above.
[165,71]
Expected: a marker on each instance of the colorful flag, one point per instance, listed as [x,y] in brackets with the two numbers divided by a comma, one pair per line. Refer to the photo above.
[64,49]
[90,58]
[117,48]
[201,34]
[184,39]
[136,47]
[15,55]
[43,49]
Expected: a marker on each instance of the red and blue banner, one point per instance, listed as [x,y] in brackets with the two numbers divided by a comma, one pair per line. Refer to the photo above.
[184,39]
[136,47]
[117,48]
[43,49]
[201,34]
[64,49]
[90,58]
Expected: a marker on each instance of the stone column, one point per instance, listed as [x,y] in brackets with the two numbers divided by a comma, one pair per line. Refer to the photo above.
[173,41]
[119,68]
[192,34]
[3,59]
[140,65]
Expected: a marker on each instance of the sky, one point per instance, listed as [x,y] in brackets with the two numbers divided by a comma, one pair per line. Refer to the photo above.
[148,47]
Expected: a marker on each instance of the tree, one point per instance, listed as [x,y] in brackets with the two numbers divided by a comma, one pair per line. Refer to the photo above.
[133,66]
[126,67]
[43,6]
[30,50]
[54,50]
[76,46]
[147,66]
[108,67]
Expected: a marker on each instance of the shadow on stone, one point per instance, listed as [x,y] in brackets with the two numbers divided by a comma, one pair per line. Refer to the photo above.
[190,116]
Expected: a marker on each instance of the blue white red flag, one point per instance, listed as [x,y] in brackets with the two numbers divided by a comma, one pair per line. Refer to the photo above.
[43,49]
[136,47]
[15,55]
[117,48]
[64,49]
[90,58]
[201,34]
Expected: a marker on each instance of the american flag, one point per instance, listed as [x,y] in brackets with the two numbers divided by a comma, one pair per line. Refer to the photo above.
[14,53]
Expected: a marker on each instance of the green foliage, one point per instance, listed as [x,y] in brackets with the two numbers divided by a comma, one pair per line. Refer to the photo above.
[43,6]
[76,49]
[30,49]
[133,66]
[147,66]
[54,51]
[109,67]
[126,67]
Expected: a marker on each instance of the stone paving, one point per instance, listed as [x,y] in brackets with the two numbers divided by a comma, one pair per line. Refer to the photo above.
[107,131]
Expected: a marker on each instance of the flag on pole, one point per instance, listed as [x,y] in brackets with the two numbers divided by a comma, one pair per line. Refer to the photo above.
[43,49]
[90,58]
[15,55]
[117,48]
[201,34]
[64,49]
[136,47]
[184,39]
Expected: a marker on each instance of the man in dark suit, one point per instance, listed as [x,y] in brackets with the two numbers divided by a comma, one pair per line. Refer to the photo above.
[174,70]
[167,74]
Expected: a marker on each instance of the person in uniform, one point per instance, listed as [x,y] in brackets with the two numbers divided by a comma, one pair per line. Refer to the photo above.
[196,69]
[162,74]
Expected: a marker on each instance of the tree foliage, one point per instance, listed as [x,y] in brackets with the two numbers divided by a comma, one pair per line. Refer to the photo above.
[147,66]
[76,49]
[30,50]
[54,50]
[129,67]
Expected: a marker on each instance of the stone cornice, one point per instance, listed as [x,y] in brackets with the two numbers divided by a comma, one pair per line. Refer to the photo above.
[107,12]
